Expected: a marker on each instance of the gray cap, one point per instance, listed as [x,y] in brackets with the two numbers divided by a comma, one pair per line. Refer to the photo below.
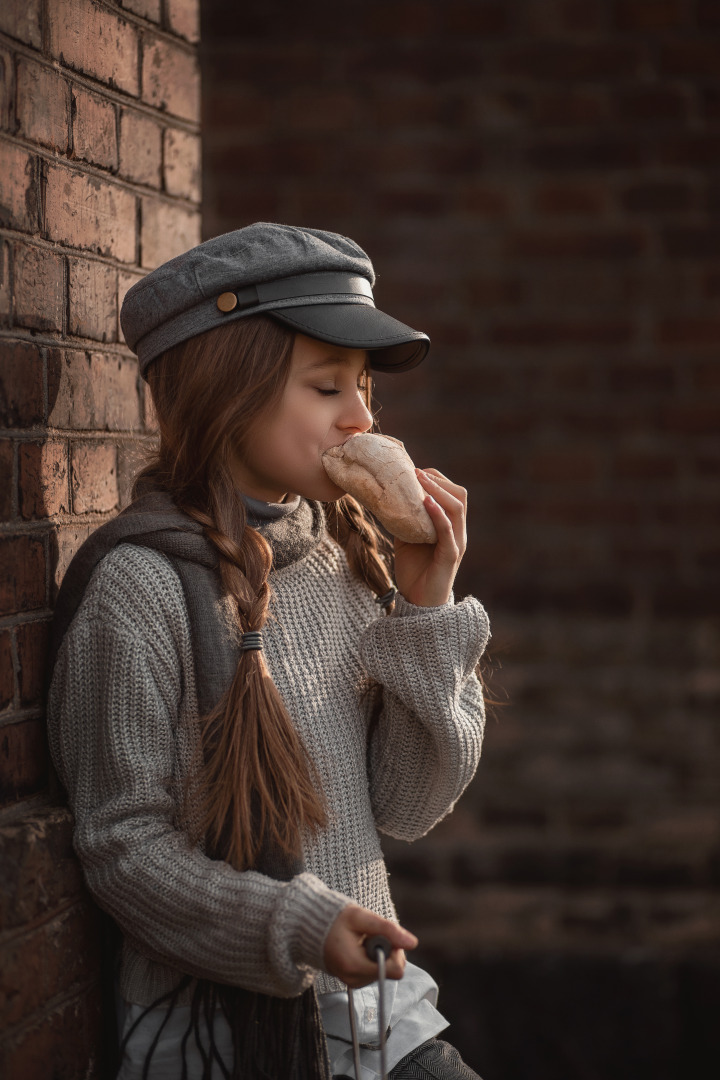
[318,283]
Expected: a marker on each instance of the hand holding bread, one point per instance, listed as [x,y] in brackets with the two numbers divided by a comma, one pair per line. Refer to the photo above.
[409,502]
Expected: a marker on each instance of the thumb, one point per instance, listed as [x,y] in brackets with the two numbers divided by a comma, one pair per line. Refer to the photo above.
[369,923]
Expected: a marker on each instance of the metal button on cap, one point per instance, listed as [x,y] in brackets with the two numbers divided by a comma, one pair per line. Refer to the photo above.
[227,301]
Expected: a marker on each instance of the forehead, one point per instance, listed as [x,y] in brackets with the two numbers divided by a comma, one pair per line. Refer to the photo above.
[310,355]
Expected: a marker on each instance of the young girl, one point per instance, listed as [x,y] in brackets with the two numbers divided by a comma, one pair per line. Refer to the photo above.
[241,698]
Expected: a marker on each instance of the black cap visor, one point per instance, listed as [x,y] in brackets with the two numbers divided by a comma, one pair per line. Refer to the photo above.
[392,345]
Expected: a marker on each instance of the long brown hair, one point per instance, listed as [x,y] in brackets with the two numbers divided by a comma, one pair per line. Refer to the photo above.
[257,781]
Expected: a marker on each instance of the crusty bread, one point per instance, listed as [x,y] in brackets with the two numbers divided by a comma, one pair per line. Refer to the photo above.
[379,473]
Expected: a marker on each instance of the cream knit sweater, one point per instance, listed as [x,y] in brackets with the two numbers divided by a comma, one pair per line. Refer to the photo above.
[122,718]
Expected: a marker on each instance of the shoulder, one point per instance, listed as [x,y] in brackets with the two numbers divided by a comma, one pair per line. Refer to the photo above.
[135,589]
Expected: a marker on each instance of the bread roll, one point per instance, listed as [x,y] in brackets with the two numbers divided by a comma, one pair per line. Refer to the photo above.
[379,473]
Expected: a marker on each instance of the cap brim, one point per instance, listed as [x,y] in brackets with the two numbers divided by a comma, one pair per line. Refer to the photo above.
[392,345]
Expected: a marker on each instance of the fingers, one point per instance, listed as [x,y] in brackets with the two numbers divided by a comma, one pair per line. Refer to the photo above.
[452,501]
[345,955]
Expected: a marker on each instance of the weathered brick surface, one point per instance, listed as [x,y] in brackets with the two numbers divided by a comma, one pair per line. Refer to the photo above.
[18,189]
[43,478]
[22,574]
[171,78]
[140,148]
[93,391]
[184,18]
[43,101]
[182,164]
[23,760]
[39,288]
[21,19]
[94,477]
[94,129]
[94,40]
[21,385]
[167,231]
[86,212]
[75,147]
[92,290]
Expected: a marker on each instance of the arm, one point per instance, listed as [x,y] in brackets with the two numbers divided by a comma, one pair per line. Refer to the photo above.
[113,708]
[426,747]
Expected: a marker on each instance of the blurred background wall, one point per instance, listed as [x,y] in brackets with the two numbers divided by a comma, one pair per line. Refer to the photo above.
[538,184]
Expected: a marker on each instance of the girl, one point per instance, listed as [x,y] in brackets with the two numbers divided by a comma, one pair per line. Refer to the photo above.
[241,698]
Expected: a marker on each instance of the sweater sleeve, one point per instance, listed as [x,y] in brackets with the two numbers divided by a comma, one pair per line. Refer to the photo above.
[113,711]
[426,747]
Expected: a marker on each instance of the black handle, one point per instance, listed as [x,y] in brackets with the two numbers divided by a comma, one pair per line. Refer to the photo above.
[372,944]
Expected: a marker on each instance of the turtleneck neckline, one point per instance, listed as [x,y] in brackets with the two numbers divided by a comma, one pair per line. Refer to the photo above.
[259,511]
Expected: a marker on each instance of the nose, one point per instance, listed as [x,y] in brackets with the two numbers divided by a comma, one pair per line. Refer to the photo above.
[357,418]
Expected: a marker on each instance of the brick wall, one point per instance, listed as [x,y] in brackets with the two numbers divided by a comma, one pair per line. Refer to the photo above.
[537,183]
[99,182]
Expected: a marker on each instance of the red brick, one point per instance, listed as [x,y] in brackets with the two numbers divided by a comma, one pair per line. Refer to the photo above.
[569,107]
[7,96]
[482,199]
[486,290]
[7,456]
[596,61]
[463,18]
[585,152]
[22,574]
[581,199]
[23,760]
[43,478]
[5,282]
[689,331]
[150,416]
[38,867]
[64,542]
[567,466]
[644,466]
[39,279]
[691,419]
[22,19]
[652,14]
[171,78]
[708,14]
[656,197]
[97,392]
[93,40]
[43,1050]
[94,129]
[32,643]
[706,376]
[92,291]
[690,150]
[644,105]
[547,333]
[7,670]
[692,241]
[167,230]
[693,58]
[21,385]
[18,189]
[183,18]
[578,244]
[86,212]
[182,164]
[146,9]
[94,477]
[140,148]
[43,105]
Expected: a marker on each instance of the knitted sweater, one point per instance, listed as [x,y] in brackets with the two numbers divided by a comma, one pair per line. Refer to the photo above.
[123,714]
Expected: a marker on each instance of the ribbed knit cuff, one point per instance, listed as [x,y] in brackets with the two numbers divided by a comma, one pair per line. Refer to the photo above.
[311,908]
[404,607]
